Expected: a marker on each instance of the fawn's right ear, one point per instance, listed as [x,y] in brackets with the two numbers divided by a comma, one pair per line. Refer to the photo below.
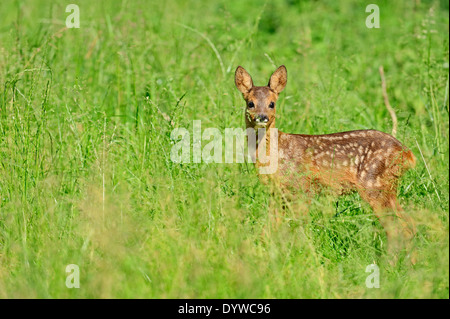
[243,80]
[278,79]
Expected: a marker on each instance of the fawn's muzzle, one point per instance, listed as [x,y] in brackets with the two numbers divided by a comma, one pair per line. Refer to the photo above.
[263,119]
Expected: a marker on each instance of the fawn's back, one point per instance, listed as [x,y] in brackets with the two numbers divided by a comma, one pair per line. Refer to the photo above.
[367,161]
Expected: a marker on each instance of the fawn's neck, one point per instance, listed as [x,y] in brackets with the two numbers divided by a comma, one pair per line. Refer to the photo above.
[264,138]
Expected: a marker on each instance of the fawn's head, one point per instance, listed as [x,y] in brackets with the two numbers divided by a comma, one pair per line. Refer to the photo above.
[261,100]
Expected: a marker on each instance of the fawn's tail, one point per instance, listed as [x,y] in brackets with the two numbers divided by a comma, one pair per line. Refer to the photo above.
[410,159]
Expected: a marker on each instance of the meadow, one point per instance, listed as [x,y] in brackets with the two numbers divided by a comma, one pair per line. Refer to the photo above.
[85,171]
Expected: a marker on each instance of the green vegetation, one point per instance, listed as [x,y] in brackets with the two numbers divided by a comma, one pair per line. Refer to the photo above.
[85,170]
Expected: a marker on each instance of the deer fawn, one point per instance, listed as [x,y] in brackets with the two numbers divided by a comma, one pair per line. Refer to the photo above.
[367,161]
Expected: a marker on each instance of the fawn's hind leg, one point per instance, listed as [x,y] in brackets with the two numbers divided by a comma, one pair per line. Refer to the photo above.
[399,227]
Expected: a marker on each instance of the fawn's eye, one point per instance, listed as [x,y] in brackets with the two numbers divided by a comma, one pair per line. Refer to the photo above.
[271,105]
[251,105]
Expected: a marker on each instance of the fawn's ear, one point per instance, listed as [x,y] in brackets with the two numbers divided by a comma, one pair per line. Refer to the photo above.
[243,80]
[278,79]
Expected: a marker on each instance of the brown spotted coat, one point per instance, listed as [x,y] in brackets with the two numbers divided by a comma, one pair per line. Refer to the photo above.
[367,161]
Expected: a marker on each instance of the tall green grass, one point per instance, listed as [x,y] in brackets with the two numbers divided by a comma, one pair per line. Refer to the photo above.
[85,170]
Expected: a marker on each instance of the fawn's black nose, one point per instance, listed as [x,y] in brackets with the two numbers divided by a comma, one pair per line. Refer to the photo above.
[262,118]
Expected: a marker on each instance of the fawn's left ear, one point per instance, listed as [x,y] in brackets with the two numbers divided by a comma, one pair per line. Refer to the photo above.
[278,79]
[243,80]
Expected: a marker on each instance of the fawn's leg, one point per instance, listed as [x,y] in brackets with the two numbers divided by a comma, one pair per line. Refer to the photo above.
[399,227]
